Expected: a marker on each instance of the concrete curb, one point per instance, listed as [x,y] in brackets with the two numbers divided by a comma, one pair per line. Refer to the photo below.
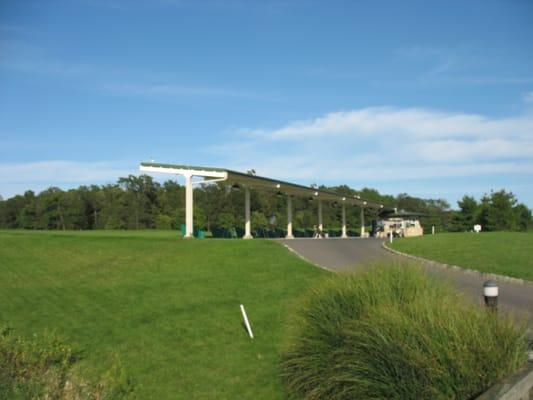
[485,275]
[305,259]
[518,386]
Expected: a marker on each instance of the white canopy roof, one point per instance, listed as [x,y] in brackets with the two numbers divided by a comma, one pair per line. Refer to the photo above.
[259,183]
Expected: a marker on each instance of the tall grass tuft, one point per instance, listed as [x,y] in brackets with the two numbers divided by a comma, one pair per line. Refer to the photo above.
[42,367]
[395,333]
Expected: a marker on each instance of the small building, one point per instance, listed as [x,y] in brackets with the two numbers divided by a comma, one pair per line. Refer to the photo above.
[401,224]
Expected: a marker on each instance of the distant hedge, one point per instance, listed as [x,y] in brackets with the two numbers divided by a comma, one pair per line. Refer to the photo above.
[394,333]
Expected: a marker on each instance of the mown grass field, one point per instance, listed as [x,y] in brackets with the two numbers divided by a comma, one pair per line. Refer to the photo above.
[504,253]
[166,307]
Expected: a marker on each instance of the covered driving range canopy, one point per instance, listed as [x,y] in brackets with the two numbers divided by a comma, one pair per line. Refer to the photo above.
[250,181]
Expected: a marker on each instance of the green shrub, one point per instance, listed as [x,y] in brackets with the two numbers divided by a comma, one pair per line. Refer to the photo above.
[42,368]
[394,333]
[115,222]
[163,222]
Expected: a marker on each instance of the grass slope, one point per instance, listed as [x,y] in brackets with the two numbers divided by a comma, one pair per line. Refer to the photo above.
[504,253]
[168,308]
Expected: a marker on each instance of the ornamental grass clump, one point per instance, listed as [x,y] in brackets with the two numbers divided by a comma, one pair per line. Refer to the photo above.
[395,333]
[43,367]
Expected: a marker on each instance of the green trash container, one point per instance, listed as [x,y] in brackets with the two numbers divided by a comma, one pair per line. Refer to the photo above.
[201,234]
[183,228]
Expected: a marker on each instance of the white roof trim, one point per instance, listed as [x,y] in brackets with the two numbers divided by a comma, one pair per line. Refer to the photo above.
[185,172]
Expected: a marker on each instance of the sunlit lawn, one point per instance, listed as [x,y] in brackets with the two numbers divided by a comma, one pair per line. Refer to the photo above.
[505,253]
[168,308]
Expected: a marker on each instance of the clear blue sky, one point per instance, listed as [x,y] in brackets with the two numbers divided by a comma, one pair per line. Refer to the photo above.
[430,98]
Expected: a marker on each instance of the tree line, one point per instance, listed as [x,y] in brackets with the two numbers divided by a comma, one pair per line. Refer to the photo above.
[139,202]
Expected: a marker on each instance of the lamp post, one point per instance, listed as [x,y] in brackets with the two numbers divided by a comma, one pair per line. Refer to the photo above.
[490,293]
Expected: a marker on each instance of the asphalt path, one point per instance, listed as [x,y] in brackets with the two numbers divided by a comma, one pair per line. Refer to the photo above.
[350,255]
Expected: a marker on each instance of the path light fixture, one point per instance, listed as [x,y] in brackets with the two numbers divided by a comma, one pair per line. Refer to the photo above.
[490,293]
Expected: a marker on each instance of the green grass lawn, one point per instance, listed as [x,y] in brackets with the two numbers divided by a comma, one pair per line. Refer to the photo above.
[504,253]
[168,308]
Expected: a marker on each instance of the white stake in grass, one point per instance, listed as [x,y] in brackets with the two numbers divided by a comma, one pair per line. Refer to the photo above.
[248,327]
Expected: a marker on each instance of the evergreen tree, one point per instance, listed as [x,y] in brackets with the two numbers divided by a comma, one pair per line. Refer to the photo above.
[501,215]
[482,217]
[523,217]
[465,219]
[137,202]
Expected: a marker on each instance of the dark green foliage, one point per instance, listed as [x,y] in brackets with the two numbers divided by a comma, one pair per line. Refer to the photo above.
[43,368]
[394,333]
[163,221]
[499,211]
[466,218]
[523,217]
[138,202]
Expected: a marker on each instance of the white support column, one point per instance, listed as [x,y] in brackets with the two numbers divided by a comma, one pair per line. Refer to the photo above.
[189,207]
[362,222]
[289,218]
[247,221]
[344,235]
[320,225]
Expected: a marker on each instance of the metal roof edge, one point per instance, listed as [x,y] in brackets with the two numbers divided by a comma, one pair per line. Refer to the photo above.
[370,204]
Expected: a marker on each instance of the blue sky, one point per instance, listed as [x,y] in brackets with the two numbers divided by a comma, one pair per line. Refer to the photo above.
[430,98]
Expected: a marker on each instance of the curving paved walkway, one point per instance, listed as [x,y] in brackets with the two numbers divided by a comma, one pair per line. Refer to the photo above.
[348,255]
